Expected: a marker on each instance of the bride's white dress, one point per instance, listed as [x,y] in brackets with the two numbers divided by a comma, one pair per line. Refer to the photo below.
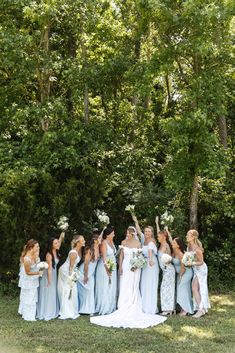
[129,313]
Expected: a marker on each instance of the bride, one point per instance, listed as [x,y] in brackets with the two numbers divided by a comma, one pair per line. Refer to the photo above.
[129,313]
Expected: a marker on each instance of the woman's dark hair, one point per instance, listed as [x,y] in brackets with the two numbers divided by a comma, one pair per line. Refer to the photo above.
[48,250]
[180,242]
[108,231]
[90,244]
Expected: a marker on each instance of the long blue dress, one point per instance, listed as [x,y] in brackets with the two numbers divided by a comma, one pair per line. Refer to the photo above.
[184,287]
[106,293]
[167,291]
[86,293]
[48,302]
[149,281]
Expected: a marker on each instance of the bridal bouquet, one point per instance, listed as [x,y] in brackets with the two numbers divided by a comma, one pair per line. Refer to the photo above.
[73,278]
[188,259]
[63,223]
[138,260]
[167,219]
[131,209]
[43,265]
[103,217]
[111,265]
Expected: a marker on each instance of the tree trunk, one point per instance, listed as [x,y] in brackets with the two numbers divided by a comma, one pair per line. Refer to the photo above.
[222,126]
[193,220]
[84,61]
[43,73]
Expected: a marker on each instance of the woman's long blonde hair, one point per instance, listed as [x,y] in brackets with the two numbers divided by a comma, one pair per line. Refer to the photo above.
[75,240]
[27,247]
[195,234]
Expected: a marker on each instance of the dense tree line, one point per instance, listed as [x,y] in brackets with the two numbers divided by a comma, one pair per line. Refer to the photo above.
[106,103]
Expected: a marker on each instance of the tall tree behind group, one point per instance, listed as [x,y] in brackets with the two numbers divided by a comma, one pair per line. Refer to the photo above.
[105,103]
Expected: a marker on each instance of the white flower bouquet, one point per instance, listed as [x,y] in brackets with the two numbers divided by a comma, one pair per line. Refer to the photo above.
[138,260]
[166,259]
[63,223]
[103,217]
[167,219]
[43,265]
[111,265]
[73,278]
[188,259]
[131,209]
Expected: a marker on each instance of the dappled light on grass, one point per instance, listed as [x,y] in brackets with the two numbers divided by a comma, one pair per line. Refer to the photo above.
[39,350]
[198,332]
[213,333]
[222,300]
[164,329]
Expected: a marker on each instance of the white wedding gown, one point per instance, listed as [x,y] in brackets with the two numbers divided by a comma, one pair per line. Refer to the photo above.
[129,313]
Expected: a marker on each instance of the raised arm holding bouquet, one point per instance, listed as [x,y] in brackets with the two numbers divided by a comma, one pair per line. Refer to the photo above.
[150,272]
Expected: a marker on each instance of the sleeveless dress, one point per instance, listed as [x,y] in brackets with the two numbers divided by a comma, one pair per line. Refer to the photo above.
[149,281]
[167,291]
[48,301]
[201,273]
[105,293]
[68,306]
[184,287]
[86,293]
[129,313]
[28,292]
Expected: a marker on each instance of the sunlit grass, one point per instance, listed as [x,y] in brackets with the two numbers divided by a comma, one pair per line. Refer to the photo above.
[214,333]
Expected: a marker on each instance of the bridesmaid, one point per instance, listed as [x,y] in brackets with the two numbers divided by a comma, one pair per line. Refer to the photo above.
[167,289]
[184,279]
[69,304]
[86,288]
[28,281]
[48,302]
[200,270]
[150,273]
[106,292]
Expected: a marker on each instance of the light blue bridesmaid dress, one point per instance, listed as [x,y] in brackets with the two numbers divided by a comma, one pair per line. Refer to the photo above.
[48,301]
[167,291]
[184,287]
[106,293]
[149,281]
[86,293]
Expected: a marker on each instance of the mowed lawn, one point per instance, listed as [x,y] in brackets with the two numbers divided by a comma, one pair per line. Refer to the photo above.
[214,333]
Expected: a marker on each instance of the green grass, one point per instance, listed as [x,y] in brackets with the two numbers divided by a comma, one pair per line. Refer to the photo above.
[214,333]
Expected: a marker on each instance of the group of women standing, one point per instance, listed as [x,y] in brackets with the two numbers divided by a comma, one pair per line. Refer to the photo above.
[101,291]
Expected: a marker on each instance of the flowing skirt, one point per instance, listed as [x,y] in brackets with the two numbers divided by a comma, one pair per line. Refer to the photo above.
[129,313]
[149,287]
[184,291]
[68,298]
[48,301]
[105,292]
[28,303]
[167,292]
[200,272]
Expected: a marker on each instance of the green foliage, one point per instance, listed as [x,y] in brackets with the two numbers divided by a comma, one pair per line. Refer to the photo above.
[108,103]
